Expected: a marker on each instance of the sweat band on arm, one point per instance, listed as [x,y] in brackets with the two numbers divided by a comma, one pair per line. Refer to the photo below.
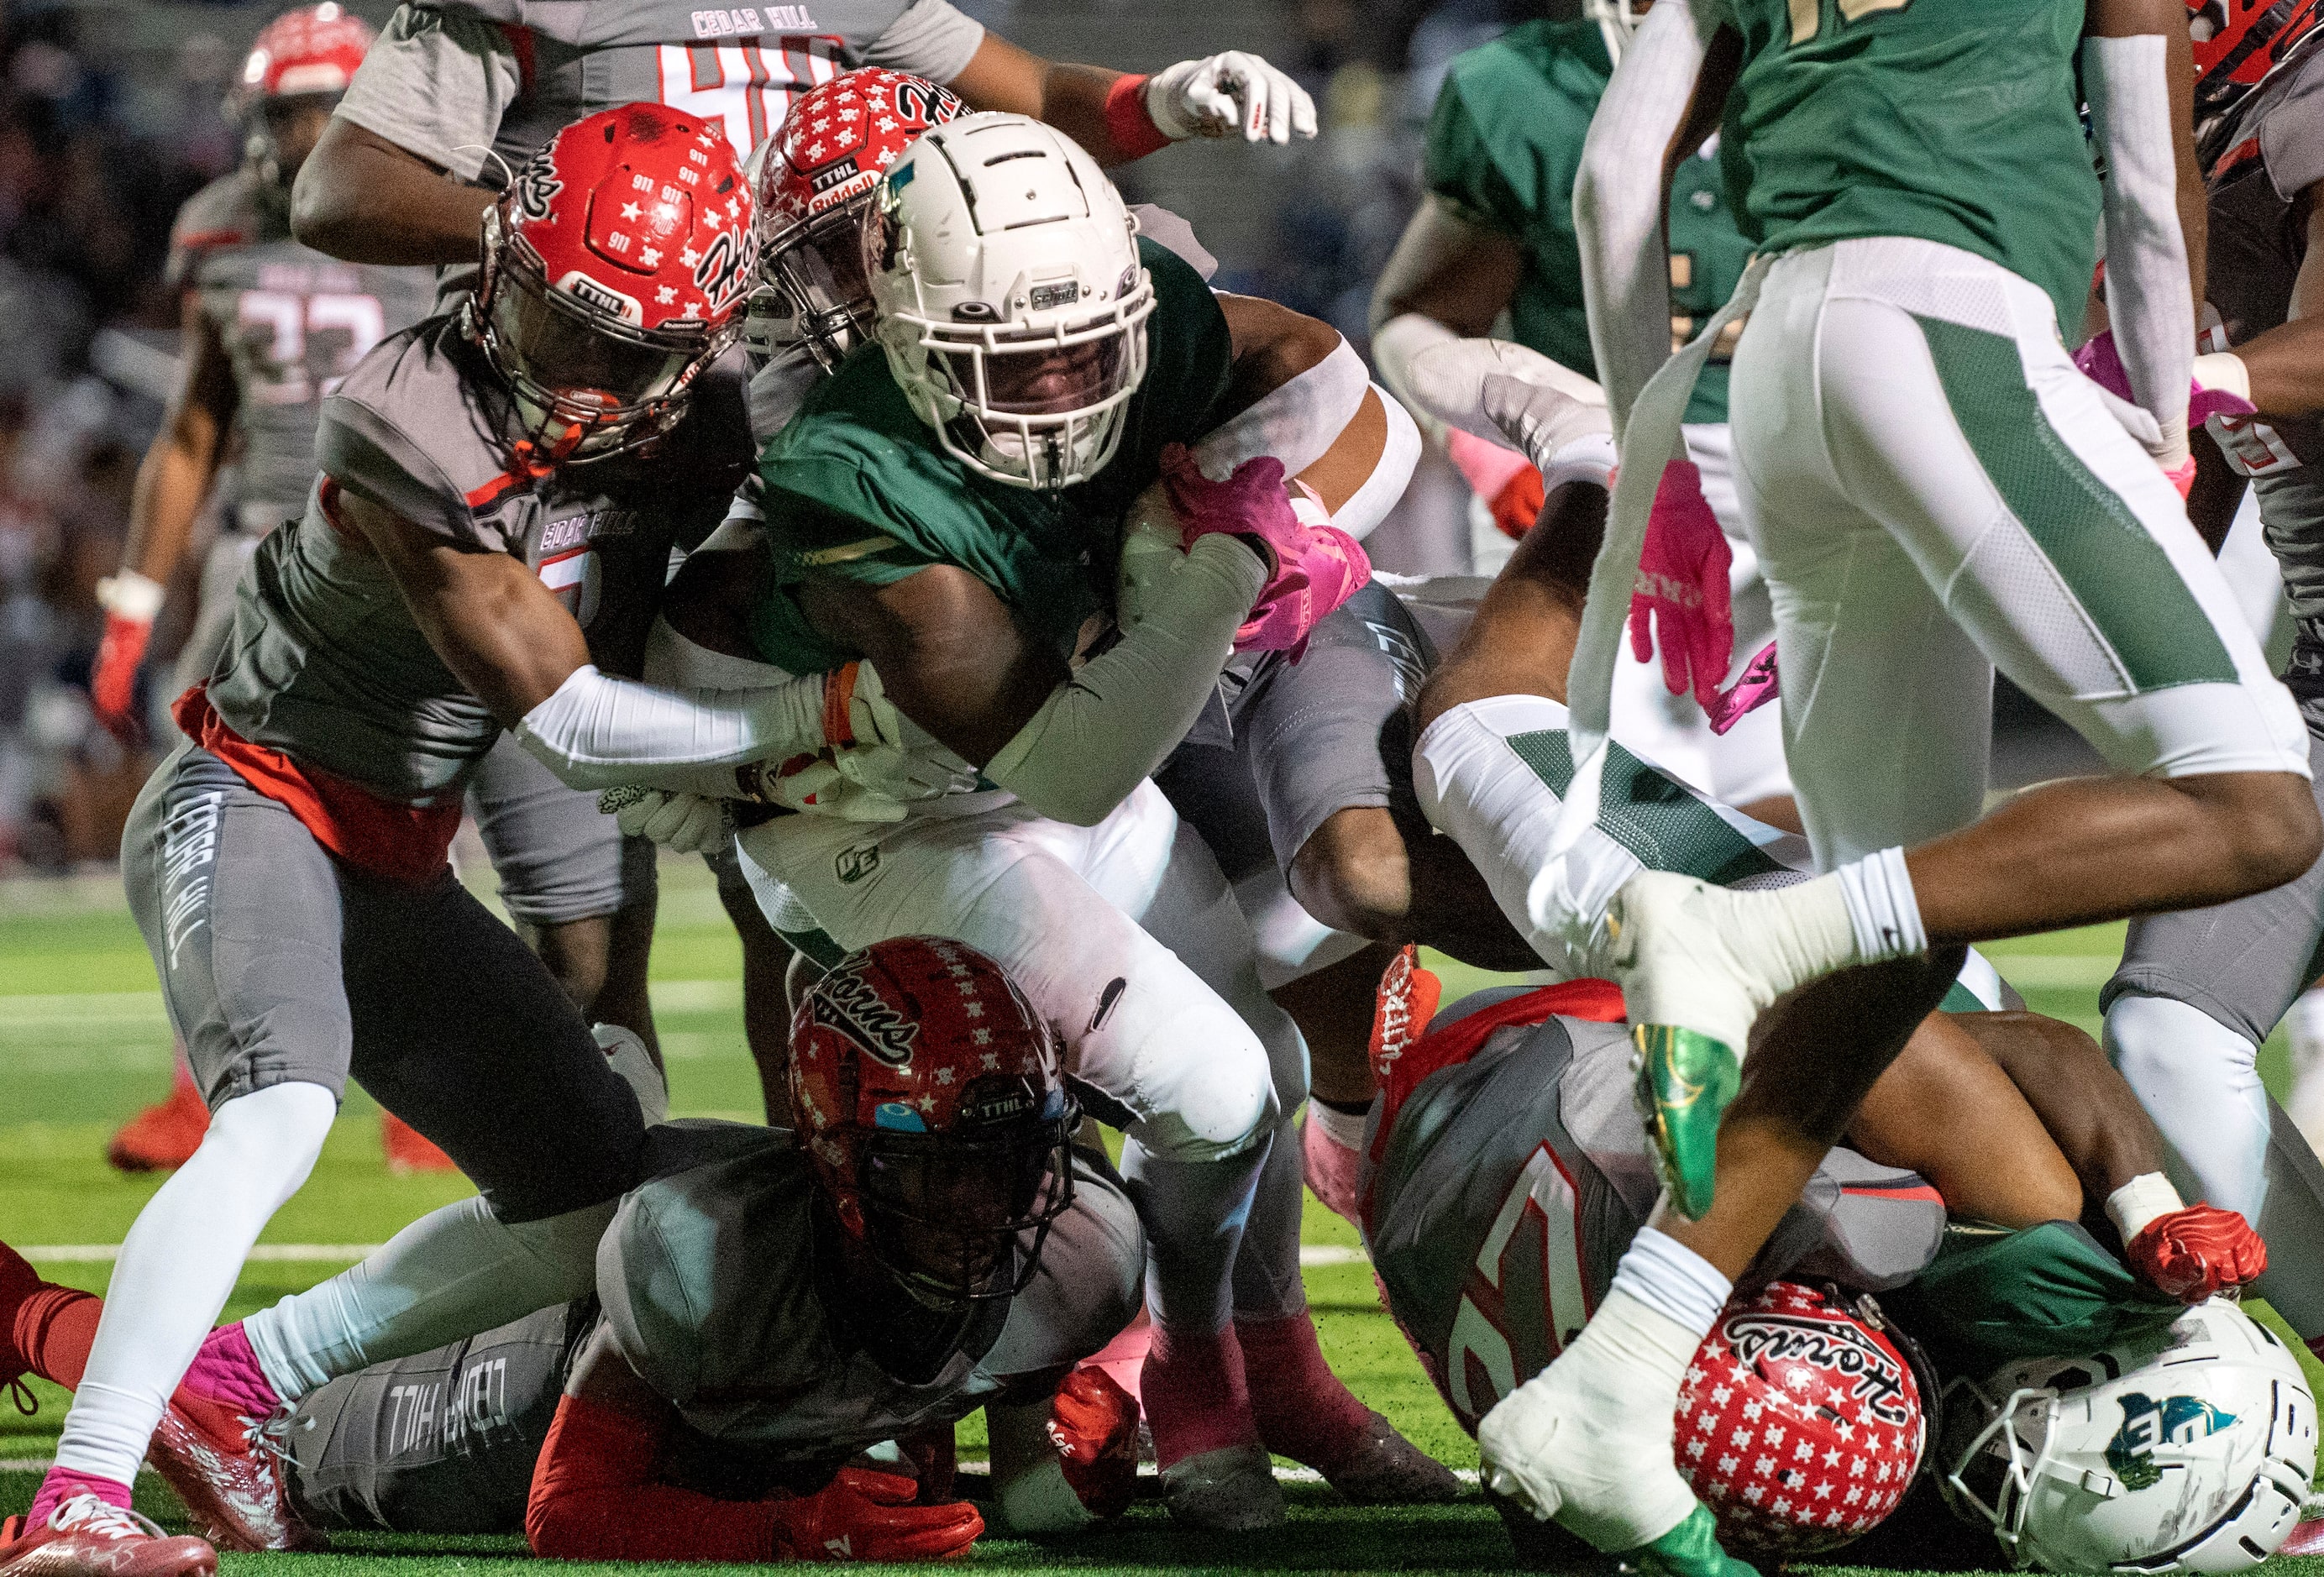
[1296,421]
[1110,724]
[2150,300]
[1391,473]
[597,732]
[1128,121]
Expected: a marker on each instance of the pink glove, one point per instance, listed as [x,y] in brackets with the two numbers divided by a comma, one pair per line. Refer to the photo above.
[2101,362]
[1681,588]
[1757,687]
[1317,565]
[1329,1167]
[1485,465]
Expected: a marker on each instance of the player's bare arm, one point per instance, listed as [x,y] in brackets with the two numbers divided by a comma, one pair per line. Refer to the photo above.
[366,199]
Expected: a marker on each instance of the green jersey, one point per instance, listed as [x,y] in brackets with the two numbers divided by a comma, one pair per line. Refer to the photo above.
[858,488]
[1954,121]
[1503,147]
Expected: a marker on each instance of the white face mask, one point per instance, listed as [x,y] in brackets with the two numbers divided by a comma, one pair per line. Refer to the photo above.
[1617,20]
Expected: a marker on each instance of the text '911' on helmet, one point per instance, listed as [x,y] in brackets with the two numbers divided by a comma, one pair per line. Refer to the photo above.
[614,267]
[814,179]
[931,1101]
[2184,1451]
[1010,301]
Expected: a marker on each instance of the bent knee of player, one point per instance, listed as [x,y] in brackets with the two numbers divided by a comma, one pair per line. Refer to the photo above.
[1354,874]
[1205,1087]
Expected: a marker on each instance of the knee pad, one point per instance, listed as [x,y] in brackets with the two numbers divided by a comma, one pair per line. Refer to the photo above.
[2198,1080]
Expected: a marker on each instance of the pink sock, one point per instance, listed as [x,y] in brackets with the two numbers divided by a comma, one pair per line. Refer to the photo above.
[1302,1410]
[226,1370]
[1194,1394]
[1123,1358]
[63,1484]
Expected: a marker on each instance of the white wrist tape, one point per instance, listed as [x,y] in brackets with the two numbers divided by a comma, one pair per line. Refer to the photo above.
[1105,729]
[1296,421]
[1391,474]
[2224,369]
[2150,300]
[130,595]
[597,732]
[2136,1205]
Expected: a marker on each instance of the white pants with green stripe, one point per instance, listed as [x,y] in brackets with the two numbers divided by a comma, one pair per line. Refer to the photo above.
[1936,492]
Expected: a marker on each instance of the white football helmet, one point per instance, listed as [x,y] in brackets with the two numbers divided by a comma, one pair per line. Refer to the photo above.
[2188,1454]
[1617,20]
[1011,301]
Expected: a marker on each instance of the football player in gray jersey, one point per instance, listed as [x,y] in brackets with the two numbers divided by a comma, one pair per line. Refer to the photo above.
[454,82]
[925,1239]
[2198,990]
[269,327]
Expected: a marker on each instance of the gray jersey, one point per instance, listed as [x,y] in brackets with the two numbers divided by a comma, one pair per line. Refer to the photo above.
[708,1281]
[449,81]
[327,664]
[293,323]
[2258,237]
[1512,1182]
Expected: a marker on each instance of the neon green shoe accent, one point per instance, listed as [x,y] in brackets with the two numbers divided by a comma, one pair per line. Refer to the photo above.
[1689,1550]
[1685,1080]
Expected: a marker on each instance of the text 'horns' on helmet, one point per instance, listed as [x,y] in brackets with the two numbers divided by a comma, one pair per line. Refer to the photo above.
[613,269]
[815,182]
[931,1104]
[1009,297]
[2184,1451]
[1801,1423]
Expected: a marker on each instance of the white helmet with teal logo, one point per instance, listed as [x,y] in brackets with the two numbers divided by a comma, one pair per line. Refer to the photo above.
[2188,1451]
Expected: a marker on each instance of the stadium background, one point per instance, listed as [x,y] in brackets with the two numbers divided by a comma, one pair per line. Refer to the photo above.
[109,118]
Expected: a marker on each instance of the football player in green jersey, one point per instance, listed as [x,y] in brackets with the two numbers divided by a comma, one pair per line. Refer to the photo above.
[950,505]
[1495,234]
[1934,490]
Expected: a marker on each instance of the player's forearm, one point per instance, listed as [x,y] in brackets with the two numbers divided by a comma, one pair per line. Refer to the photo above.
[2282,370]
[172,484]
[362,198]
[2150,304]
[1073,98]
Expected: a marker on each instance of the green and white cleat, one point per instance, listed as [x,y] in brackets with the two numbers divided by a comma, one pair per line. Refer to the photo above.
[1694,979]
[1541,1448]
[1691,1549]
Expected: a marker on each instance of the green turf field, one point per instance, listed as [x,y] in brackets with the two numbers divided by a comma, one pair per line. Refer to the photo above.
[83,1044]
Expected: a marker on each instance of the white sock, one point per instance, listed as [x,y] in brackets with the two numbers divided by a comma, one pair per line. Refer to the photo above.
[1344,1128]
[178,1263]
[2198,1080]
[1882,908]
[454,1272]
[1674,1281]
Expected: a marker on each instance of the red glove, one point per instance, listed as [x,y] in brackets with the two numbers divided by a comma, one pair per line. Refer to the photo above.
[113,683]
[866,1516]
[1093,1425]
[1681,587]
[2192,1253]
[1518,504]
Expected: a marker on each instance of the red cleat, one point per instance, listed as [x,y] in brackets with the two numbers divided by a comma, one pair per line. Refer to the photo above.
[86,1537]
[223,1466]
[408,1149]
[165,1135]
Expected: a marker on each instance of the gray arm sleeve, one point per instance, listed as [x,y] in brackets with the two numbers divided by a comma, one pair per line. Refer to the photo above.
[932,39]
[435,84]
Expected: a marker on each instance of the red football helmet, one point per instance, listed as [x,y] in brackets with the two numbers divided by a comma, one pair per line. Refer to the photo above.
[2238,43]
[1800,1424]
[307,55]
[612,267]
[814,190]
[929,1098]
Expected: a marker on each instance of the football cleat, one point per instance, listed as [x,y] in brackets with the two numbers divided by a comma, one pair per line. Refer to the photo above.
[165,1135]
[408,1150]
[1387,1470]
[87,1537]
[223,1463]
[1232,1490]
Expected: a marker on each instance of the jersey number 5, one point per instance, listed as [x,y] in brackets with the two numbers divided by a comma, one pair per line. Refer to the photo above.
[1536,1242]
[291,323]
[1807,15]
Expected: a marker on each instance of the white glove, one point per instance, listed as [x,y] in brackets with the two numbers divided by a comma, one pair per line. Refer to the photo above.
[691,824]
[1447,381]
[1211,97]
[894,757]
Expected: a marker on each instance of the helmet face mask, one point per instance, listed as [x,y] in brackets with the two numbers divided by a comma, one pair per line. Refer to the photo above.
[814,270]
[945,1214]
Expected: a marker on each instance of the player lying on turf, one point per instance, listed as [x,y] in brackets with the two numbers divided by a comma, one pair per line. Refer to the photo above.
[949,505]
[1505,1182]
[923,1241]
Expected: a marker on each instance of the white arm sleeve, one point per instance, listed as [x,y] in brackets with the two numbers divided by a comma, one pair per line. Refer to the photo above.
[597,732]
[1296,421]
[1397,342]
[2150,299]
[1102,731]
[1370,504]
[435,84]
[1618,199]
